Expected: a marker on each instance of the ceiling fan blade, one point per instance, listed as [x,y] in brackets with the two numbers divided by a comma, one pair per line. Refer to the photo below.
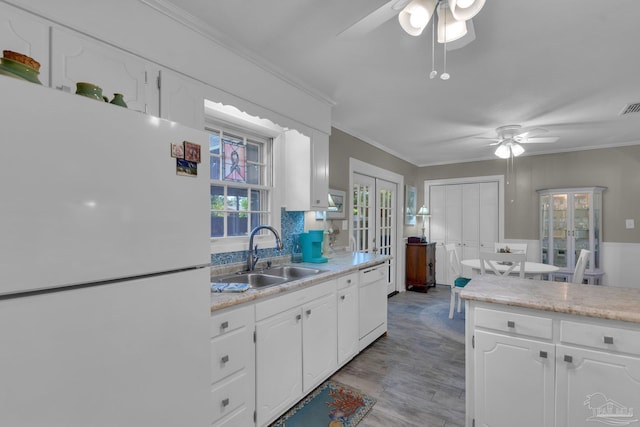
[374,19]
[539,140]
[530,132]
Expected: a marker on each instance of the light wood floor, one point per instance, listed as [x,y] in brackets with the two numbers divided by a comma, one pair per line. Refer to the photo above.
[416,371]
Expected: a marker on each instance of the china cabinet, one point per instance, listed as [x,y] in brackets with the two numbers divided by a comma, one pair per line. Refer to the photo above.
[571,220]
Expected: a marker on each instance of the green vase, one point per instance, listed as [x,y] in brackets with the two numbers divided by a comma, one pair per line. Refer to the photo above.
[89,90]
[118,99]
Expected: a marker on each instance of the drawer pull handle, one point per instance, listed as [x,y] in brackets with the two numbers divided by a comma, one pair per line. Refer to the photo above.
[511,324]
[225,402]
[224,359]
[348,281]
[608,340]
[298,317]
[543,354]
[224,325]
[568,359]
[308,312]
[343,297]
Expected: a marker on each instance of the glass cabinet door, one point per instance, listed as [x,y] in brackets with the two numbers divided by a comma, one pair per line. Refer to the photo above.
[560,255]
[545,227]
[581,204]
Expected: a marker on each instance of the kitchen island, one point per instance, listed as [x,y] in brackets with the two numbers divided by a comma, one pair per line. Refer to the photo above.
[541,353]
[272,346]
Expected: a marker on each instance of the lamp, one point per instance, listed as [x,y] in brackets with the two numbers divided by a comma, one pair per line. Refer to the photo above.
[452,22]
[508,148]
[424,213]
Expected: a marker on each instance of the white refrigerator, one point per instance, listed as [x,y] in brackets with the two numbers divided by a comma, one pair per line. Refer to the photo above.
[104,249]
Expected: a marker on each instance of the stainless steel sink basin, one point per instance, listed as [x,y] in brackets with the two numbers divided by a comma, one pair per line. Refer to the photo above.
[255,280]
[269,277]
[291,272]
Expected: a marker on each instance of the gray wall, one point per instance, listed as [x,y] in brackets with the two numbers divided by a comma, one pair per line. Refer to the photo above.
[618,169]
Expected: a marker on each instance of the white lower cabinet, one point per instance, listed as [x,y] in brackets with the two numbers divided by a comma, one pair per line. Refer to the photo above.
[347,318]
[233,367]
[514,382]
[296,347]
[540,368]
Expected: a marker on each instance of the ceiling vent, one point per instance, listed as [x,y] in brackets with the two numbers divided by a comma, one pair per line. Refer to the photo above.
[631,108]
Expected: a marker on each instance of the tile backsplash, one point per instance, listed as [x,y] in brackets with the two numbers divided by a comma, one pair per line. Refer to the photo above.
[292,222]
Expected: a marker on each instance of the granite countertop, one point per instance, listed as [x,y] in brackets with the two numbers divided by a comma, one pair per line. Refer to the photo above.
[339,264]
[606,302]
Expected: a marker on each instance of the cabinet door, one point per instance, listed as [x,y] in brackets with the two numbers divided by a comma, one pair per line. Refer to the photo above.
[26,34]
[278,364]
[75,58]
[347,323]
[181,99]
[319,340]
[597,387]
[514,381]
[319,170]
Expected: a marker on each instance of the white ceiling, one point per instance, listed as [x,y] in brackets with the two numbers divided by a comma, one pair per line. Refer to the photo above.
[570,66]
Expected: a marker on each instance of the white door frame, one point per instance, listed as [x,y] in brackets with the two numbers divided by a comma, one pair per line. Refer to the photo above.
[358,166]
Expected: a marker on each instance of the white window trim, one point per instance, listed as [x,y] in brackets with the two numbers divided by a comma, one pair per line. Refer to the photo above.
[219,114]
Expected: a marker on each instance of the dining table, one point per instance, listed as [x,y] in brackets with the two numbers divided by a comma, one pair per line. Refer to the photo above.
[533,270]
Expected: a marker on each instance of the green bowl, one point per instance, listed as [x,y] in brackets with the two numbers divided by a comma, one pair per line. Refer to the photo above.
[19,70]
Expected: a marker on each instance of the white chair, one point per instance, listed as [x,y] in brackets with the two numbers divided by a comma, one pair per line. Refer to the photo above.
[515,248]
[581,265]
[502,264]
[458,281]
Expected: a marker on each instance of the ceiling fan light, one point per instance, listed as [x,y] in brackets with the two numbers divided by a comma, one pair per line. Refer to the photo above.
[503,151]
[464,10]
[416,15]
[516,149]
[448,26]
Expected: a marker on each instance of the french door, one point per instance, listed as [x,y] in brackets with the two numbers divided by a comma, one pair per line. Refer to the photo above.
[374,219]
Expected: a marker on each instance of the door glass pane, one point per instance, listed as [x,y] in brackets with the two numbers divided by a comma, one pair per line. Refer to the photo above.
[545,217]
[580,222]
[560,230]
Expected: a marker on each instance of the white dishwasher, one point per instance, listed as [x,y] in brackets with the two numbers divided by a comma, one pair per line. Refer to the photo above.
[373,304]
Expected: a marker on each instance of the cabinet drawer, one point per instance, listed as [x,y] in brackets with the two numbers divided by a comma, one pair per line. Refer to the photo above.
[229,395]
[521,324]
[348,280]
[231,353]
[230,320]
[602,337]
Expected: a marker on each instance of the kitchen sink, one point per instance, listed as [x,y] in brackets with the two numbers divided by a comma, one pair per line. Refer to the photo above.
[291,272]
[255,280]
[268,277]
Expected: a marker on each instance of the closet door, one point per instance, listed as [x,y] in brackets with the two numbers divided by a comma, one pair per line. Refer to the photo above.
[470,220]
[437,231]
[453,211]
[489,217]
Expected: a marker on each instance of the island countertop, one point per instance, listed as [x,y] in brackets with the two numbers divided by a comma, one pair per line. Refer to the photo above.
[339,264]
[605,302]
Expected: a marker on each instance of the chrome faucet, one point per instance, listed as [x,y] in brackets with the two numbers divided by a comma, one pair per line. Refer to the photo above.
[253,258]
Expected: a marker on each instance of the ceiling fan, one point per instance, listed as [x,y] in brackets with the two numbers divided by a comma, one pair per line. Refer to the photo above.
[454,19]
[511,136]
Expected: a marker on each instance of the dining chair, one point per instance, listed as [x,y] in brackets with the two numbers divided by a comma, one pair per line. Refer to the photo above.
[489,261]
[581,265]
[515,248]
[458,282]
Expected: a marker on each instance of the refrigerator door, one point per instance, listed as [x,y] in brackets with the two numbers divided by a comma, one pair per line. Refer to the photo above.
[89,192]
[131,353]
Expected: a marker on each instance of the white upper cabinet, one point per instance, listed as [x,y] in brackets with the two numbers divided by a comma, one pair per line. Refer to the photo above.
[307,171]
[76,58]
[181,99]
[26,34]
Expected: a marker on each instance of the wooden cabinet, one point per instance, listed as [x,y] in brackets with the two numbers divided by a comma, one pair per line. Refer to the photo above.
[539,368]
[76,58]
[232,367]
[296,347]
[421,265]
[347,317]
[571,220]
[25,33]
[306,171]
